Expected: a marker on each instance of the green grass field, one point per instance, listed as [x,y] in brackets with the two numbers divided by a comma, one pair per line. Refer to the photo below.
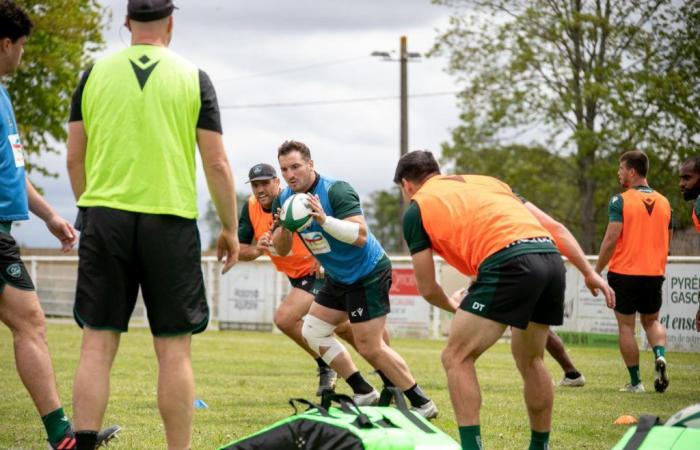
[246,379]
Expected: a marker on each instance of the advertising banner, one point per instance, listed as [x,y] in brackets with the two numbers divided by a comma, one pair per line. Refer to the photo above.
[246,297]
[410,313]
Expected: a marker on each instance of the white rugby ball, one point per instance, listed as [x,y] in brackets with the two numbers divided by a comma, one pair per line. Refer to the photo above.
[296,213]
[687,417]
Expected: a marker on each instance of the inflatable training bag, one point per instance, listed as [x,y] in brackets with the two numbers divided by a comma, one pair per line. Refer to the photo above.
[349,427]
[650,435]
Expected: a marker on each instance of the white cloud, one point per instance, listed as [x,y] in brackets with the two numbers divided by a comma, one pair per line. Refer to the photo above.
[357,142]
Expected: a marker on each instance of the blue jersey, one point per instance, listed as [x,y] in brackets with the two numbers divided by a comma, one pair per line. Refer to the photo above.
[13,188]
[344,263]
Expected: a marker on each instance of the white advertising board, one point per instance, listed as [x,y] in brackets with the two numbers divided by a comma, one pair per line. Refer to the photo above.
[247,297]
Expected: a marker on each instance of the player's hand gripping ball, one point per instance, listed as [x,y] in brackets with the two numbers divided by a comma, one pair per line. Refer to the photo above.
[296,213]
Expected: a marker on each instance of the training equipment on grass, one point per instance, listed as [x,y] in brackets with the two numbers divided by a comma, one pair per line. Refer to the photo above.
[625,419]
[296,213]
[687,417]
[350,427]
[649,434]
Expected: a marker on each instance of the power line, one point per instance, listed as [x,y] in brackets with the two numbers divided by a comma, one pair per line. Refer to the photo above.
[294,69]
[333,102]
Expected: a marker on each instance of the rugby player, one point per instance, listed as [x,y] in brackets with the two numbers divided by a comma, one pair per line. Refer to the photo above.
[20,309]
[690,188]
[480,227]
[357,283]
[304,273]
[636,244]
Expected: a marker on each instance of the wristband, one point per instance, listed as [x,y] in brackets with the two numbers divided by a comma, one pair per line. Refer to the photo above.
[342,230]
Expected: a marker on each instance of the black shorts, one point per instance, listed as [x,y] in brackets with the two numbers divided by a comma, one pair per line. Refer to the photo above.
[307,283]
[12,269]
[121,251]
[636,293]
[518,290]
[363,300]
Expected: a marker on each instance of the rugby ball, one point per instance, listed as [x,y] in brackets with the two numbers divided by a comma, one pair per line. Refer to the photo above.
[296,213]
[687,417]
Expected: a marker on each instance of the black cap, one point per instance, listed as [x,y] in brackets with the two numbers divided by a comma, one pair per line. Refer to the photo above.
[261,171]
[149,10]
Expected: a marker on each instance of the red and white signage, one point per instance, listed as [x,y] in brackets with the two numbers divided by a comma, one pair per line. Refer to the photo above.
[410,313]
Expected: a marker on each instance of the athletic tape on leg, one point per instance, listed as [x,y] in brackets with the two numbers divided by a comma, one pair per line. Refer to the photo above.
[320,334]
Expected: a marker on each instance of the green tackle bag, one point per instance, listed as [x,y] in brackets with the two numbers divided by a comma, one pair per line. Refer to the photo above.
[649,434]
[349,427]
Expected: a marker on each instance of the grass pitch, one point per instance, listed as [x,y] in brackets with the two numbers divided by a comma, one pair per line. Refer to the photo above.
[246,379]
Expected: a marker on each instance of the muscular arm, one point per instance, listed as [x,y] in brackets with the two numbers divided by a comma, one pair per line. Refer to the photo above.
[58,226]
[569,247]
[424,268]
[355,226]
[565,241]
[221,187]
[77,143]
[249,252]
[607,247]
[282,241]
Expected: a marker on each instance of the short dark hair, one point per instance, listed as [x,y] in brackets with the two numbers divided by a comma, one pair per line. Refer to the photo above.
[14,21]
[290,146]
[637,160]
[416,166]
[695,161]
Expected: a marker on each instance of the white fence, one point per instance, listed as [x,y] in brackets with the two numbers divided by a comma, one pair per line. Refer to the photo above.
[247,296]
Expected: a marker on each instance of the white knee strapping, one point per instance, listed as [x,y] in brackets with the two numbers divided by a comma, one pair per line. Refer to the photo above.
[320,334]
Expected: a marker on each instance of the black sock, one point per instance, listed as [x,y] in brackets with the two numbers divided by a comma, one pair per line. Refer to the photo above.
[572,375]
[387,382]
[358,384]
[416,396]
[321,363]
[86,440]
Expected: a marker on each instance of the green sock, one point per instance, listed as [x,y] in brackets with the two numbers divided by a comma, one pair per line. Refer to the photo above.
[635,378]
[539,440]
[659,351]
[470,437]
[56,424]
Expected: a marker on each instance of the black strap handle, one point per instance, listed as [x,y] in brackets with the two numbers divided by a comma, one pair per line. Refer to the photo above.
[389,393]
[321,409]
[348,406]
[646,423]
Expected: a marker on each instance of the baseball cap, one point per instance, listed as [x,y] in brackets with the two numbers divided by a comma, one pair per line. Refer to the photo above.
[149,10]
[261,171]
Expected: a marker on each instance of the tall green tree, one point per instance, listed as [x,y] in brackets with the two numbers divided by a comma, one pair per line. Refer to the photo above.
[384,218]
[586,79]
[66,34]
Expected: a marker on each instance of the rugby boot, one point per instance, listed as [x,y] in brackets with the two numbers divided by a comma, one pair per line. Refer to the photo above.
[661,380]
[629,387]
[573,382]
[428,410]
[326,380]
[369,399]
[68,442]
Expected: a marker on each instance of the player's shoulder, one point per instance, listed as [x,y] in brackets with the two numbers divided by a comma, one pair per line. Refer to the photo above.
[617,198]
[285,194]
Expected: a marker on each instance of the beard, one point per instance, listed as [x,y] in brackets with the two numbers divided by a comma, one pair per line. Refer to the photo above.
[691,194]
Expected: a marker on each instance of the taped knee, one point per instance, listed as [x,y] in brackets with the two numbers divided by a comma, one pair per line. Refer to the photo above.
[319,334]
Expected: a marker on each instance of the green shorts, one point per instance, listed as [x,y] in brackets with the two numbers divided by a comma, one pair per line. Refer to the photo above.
[12,269]
[363,300]
[307,283]
[525,288]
